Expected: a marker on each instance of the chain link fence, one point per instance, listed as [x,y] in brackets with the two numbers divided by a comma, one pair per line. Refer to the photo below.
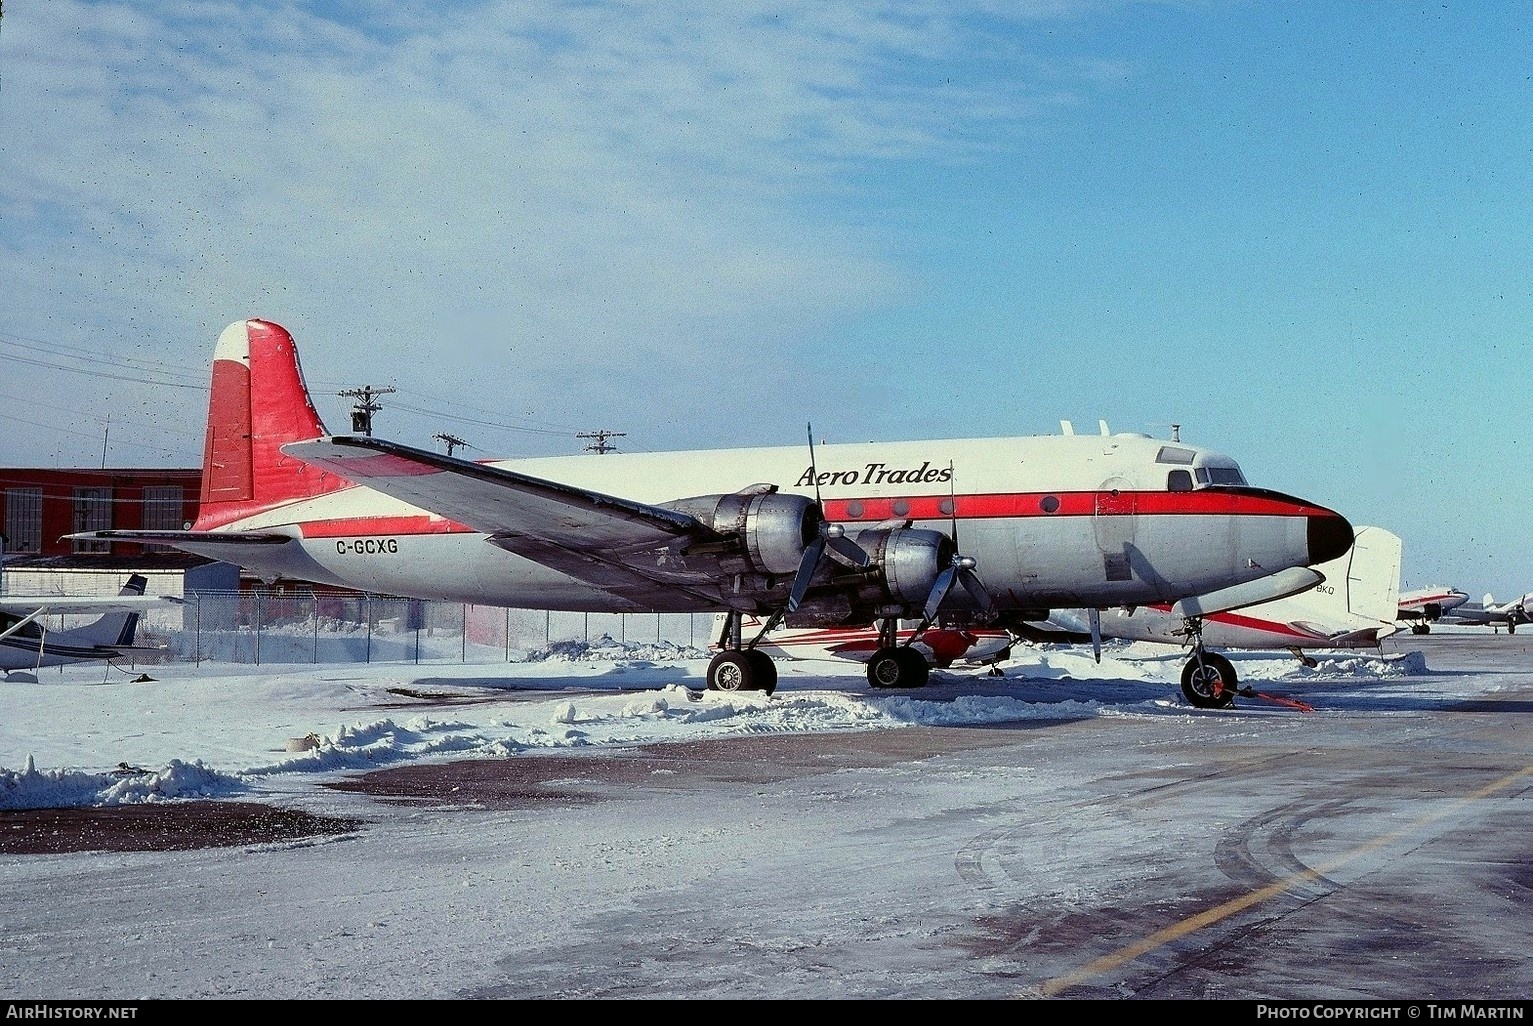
[259,628]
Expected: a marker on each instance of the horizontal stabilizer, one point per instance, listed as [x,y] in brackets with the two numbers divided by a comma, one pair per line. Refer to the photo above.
[185,537]
[1264,589]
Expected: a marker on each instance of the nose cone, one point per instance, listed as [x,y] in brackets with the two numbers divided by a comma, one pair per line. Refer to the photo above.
[1330,536]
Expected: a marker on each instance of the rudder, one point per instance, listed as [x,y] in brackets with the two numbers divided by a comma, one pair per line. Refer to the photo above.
[258,403]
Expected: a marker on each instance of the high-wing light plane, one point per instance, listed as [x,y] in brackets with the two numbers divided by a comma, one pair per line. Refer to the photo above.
[995,530]
[26,644]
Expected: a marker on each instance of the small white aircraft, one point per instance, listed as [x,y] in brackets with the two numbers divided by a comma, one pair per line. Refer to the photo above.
[27,644]
[1490,613]
[849,535]
[1422,607]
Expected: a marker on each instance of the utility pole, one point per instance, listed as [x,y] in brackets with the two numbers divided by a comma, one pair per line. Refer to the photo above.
[600,445]
[362,412]
[451,441]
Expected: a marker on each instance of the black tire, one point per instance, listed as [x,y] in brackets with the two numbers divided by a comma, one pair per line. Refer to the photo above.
[898,667]
[917,670]
[885,668]
[1210,685]
[731,671]
[763,670]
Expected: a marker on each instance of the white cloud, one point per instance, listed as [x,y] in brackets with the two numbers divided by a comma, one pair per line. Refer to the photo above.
[530,186]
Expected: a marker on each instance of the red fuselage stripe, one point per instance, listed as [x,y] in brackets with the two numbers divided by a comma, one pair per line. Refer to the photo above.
[1066,504]
[928,507]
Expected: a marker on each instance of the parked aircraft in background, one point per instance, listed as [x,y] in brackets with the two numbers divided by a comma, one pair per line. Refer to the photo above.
[1354,607]
[27,644]
[940,644]
[1490,613]
[849,535]
[1423,607]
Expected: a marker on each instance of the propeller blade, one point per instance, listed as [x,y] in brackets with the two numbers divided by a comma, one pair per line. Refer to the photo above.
[843,550]
[943,585]
[976,589]
[806,569]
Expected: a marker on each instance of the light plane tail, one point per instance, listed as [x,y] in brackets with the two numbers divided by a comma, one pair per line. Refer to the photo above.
[115,629]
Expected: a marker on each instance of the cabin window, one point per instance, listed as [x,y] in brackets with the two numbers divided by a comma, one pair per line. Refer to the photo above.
[1179,481]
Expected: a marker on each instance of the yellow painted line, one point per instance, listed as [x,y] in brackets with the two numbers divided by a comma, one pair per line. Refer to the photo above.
[1160,938]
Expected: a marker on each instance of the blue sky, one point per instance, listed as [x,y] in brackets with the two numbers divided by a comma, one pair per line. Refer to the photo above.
[1300,231]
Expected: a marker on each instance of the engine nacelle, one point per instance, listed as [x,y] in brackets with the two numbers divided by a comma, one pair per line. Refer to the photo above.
[907,562]
[765,532]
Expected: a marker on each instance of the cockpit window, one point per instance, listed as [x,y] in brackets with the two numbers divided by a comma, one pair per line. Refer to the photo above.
[1174,454]
[1179,481]
[1221,476]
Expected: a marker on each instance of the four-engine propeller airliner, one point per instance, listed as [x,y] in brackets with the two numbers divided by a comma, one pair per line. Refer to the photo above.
[992,530]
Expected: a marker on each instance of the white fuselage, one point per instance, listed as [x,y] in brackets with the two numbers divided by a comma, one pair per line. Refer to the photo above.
[1052,521]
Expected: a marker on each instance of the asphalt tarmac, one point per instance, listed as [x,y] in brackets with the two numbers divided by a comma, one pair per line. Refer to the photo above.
[1374,854]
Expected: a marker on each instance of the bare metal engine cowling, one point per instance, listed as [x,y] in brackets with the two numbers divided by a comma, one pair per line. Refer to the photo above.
[763,532]
[902,570]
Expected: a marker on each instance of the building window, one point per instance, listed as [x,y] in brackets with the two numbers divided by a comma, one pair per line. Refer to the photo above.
[23,520]
[92,512]
[162,512]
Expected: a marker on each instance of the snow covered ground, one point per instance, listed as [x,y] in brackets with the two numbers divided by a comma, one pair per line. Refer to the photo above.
[93,735]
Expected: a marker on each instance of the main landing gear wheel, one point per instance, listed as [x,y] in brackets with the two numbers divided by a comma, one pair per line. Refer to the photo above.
[898,667]
[1210,684]
[742,670]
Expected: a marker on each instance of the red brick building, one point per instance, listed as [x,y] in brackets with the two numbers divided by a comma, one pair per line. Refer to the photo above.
[39,507]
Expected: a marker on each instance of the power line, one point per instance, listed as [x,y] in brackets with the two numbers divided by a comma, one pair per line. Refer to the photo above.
[451,441]
[362,412]
[600,445]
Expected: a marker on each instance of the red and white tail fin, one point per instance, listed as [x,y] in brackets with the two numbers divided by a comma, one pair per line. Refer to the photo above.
[258,404]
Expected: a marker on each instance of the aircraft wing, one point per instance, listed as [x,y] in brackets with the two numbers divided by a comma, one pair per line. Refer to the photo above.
[45,604]
[606,540]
